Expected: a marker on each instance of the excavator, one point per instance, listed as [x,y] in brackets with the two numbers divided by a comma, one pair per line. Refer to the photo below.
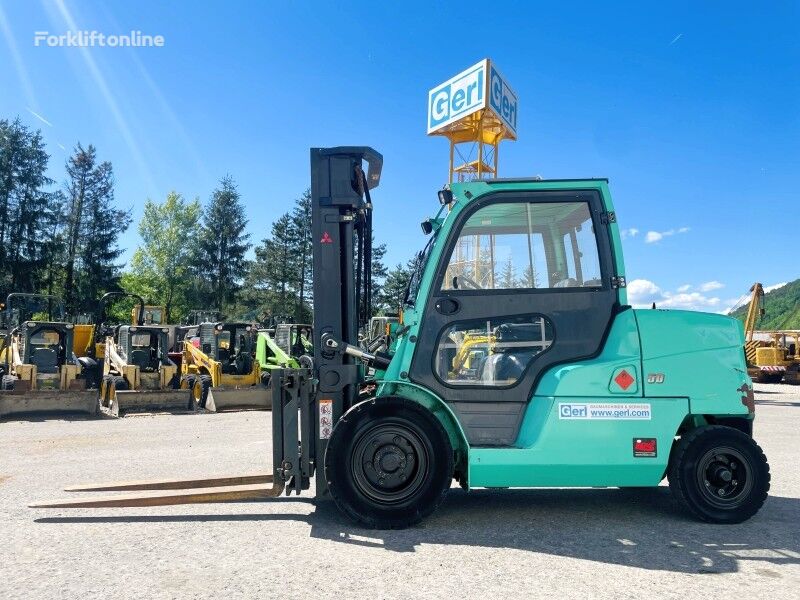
[770,361]
[578,388]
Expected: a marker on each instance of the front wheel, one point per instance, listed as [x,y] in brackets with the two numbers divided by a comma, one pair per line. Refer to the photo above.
[389,463]
[719,474]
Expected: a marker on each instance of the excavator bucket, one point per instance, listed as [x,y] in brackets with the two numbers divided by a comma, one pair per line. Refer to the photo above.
[24,402]
[255,397]
[127,401]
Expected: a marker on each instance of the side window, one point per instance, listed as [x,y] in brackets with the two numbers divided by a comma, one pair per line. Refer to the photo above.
[525,245]
[492,352]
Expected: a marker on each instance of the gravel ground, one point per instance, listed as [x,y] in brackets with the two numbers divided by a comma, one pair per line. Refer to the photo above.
[604,543]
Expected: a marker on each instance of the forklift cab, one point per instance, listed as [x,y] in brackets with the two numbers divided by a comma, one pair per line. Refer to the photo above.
[514,268]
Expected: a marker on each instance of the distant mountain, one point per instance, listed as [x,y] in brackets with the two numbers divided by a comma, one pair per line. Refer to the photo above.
[781,308]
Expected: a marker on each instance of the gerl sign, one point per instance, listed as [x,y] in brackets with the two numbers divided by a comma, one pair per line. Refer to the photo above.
[479,87]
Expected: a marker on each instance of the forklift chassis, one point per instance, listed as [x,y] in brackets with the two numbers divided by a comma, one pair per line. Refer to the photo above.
[567,385]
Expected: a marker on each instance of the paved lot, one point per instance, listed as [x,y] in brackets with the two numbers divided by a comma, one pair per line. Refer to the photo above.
[493,544]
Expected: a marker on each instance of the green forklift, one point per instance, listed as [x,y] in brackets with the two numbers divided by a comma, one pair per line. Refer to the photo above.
[572,387]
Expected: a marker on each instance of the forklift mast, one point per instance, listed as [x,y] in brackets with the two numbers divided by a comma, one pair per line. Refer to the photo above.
[341,221]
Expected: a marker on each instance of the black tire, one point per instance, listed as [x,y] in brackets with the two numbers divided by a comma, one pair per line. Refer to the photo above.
[719,474]
[187,383]
[204,382]
[119,384]
[8,382]
[367,456]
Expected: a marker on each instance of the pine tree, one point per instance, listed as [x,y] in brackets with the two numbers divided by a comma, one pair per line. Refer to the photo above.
[275,269]
[26,208]
[223,244]
[393,291]
[91,231]
[301,232]
[508,276]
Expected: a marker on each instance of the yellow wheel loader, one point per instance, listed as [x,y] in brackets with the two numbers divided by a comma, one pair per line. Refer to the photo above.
[41,373]
[138,374]
[219,367]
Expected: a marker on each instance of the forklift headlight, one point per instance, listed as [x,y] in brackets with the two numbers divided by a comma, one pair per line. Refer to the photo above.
[427,226]
[133,329]
[165,329]
[445,197]
[219,327]
[247,328]
[29,324]
[69,325]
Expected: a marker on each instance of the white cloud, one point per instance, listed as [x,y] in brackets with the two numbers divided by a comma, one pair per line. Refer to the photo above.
[653,236]
[710,286]
[643,292]
[769,288]
[630,232]
[656,236]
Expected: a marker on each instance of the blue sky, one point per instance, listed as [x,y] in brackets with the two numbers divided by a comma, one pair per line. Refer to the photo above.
[692,110]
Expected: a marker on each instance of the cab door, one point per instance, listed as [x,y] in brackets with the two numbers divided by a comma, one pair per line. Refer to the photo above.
[525,282]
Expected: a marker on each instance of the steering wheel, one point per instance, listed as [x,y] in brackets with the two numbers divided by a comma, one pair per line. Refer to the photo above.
[471,284]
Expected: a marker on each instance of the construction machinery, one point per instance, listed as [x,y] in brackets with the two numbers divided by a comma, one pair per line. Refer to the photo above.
[138,374]
[283,347]
[578,389]
[41,373]
[220,369]
[776,356]
[378,333]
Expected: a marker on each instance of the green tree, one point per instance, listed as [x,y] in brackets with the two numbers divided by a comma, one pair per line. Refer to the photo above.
[92,227]
[275,270]
[392,292]
[300,229]
[223,244]
[160,267]
[27,210]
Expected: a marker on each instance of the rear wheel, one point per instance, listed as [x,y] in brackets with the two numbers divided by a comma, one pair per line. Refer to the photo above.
[719,474]
[389,463]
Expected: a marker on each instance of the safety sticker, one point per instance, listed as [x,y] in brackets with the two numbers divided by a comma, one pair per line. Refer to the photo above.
[325,418]
[603,411]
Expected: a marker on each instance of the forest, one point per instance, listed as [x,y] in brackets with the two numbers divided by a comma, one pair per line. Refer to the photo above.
[62,237]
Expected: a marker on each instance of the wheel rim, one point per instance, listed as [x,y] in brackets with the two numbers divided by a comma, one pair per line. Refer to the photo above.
[390,463]
[725,477]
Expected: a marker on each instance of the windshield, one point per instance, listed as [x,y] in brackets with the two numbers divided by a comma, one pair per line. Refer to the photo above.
[34,308]
[416,274]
